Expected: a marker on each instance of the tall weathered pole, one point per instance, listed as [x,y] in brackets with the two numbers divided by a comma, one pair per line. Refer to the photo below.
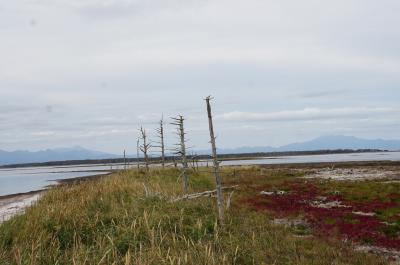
[184,159]
[137,153]
[181,133]
[216,163]
[124,160]
[160,132]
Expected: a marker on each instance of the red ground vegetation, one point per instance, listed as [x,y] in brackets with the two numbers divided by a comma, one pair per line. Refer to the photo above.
[301,199]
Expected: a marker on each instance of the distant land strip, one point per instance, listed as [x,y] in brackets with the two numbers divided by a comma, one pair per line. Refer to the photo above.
[223,157]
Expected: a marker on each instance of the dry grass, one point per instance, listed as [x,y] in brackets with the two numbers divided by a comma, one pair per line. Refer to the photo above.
[127,218]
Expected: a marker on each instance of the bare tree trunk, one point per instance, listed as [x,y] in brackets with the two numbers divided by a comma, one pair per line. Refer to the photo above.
[124,160]
[145,147]
[160,132]
[182,151]
[216,164]
[137,153]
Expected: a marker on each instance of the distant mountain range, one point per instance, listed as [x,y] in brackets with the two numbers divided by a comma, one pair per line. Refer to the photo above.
[57,154]
[333,142]
[321,143]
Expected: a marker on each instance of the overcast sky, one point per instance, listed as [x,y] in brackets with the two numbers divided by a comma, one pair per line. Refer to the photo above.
[89,72]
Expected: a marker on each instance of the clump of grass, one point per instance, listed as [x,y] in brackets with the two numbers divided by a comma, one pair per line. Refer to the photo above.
[127,218]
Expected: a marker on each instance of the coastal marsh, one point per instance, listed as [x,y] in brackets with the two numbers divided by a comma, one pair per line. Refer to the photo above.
[128,218]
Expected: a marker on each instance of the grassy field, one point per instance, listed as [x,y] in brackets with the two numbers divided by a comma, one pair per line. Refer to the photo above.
[127,218]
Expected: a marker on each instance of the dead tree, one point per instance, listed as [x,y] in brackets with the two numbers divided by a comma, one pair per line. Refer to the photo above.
[195,162]
[137,153]
[145,147]
[160,134]
[181,150]
[124,160]
[220,202]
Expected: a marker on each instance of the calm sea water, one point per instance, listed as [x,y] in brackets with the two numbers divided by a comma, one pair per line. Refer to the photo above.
[389,156]
[19,180]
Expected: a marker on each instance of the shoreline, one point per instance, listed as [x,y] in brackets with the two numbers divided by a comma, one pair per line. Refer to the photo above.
[372,163]
[15,195]
[80,179]
[14,204]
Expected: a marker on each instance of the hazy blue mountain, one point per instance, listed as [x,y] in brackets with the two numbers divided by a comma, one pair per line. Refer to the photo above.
[321,143]
[332,142]
[57,154]
[343,142]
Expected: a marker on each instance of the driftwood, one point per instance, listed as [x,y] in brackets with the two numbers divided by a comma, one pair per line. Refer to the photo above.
[209,193]
[272,193]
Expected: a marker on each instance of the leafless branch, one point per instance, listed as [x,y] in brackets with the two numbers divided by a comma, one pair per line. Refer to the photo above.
[145,147]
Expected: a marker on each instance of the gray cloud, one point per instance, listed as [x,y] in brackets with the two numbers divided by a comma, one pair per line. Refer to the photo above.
[310,114]
[90,72]
[322,94]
